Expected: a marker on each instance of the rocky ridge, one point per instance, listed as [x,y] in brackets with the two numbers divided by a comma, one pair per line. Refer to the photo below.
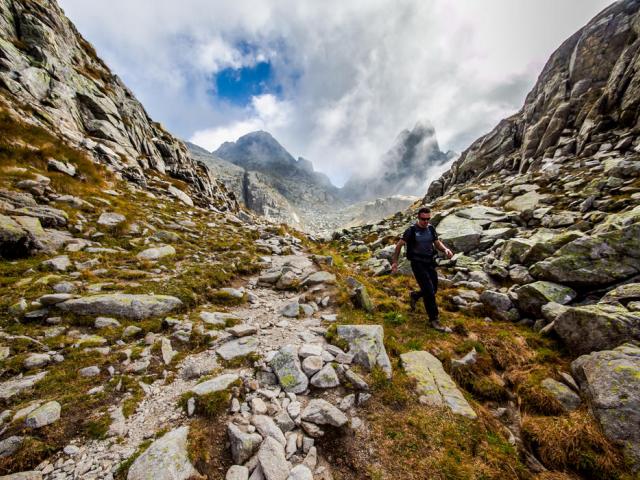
[52,77]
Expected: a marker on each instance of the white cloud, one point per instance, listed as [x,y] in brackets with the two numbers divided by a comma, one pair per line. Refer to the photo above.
[354,72]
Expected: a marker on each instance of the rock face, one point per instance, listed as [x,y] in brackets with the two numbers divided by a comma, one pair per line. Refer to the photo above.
[135,307]
[586,93]
[433,384]
[50,68]
[609,379]
[414,152]
[165,459]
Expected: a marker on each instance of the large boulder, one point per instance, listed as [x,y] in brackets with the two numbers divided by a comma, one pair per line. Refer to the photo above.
[531,297]
[321,412]
[610,381]
[135,307]
[366,344]
[623,295]
[433,384]
[14,240]
[593,261]
[597,327]
[165,459]
[286,366]
[460,234]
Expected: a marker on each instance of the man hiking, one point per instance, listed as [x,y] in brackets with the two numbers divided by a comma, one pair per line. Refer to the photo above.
[421,240]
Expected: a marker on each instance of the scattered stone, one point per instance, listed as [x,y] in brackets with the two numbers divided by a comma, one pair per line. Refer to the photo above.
[321,412]
[272,460]
[36,360]
[218,384]
[135,307]
[243,445]
[166,350]
[16,385]
[325,378]
[110,219]
[237,472]
[106,322]
[242,330]
[286,366]
[433,383]
[291,309]
[469,359]
[367,346]
[180,195]
[268,428]
[320,277]
[10,445]
[240,347]
[89,371]
[165,459]
[45,415]
[59,264]
[609,381]
[563,394]
[156,253]
[312,364]
[531,297]
[300,472]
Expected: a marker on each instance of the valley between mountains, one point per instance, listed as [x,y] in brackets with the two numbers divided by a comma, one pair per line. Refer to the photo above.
[166,312]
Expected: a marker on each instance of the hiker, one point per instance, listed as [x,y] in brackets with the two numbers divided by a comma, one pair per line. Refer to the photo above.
[421,240]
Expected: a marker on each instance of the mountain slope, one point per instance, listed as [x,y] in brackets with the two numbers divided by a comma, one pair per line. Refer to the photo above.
[585,102]
[53,77]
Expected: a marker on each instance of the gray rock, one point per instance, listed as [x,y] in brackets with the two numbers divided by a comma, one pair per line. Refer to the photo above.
[243,445]
[300,472]
[531,297]
[268,428]
[520,274]
[312,364]
[237,472]
[111,219]
[325,378]
[180,195]
[433,384]
[36,360]
[135,307]
[165,459]
[166,350]
[359,295]
[217,384]
[609,381]
[106,322]
[89,371]
[367,346]
[59,264]
[10,445]
[240,347]
[62,167]
[242,330]
[469,359]
[54,298]
[272,460]
[291,309]
[156,253]
[320,277]
[597,327]
[310,349]
[321,412]
[461,234]
[45,415]
[563,394]
[500,305]
[286,366]
[31,475]
[131,331]
[16,385]
[284,422]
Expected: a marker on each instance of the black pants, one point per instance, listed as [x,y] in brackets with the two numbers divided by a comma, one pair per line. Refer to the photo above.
[427,279]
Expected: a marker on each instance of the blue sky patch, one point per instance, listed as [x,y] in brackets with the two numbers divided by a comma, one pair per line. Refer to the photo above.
[238,85]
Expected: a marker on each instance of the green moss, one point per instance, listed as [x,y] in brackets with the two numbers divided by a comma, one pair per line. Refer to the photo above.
[99,427]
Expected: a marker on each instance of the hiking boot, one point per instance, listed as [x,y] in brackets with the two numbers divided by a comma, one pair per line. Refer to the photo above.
[413,300]
[436,325]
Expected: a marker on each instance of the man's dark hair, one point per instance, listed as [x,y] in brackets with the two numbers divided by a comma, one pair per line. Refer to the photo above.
[424,210]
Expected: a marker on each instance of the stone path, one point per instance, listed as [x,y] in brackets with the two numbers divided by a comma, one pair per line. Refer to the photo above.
[269,409]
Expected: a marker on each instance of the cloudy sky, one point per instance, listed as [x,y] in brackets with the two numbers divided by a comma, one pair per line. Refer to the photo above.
[334,81]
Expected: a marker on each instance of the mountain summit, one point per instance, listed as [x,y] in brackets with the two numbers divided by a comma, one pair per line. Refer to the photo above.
[404,169]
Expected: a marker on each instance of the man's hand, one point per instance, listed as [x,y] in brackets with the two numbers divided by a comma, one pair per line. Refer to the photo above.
[394,267]
[448,253]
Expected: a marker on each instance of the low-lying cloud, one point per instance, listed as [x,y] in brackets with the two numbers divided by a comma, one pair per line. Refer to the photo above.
[353,73]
